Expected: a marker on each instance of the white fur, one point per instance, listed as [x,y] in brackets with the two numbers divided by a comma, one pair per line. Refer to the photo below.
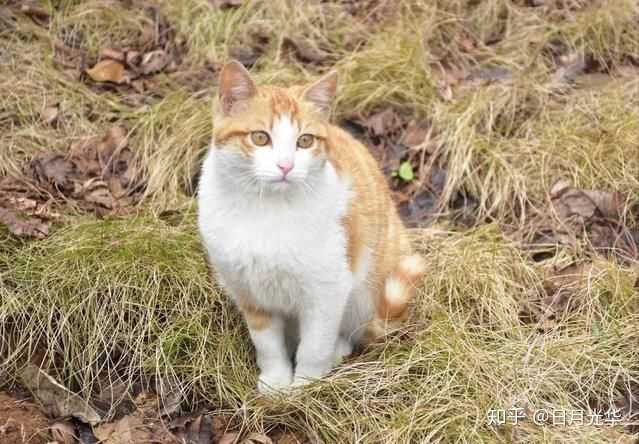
[395,291]
[283,149]
[283,245]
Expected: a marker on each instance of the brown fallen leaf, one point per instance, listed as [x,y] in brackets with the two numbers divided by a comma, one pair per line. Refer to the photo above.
[194,430]
[53,169]
[383,122]
[56,400]
[416,133]
[50,115]
[96,191]
[229,438]
[287,438]
[304,50]
[257,438]
[609,204]
[63,432]
[133,59]
[24,227]
[39,15]
[107,71]
[247,56]
[154,61]
[570,201]
[112,54]
[130,430]
[21,422]
[571,66]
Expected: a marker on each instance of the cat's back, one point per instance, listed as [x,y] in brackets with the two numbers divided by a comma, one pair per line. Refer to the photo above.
[354,162]
[372,222]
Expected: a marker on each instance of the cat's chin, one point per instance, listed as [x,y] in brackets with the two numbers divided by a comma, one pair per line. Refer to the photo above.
[280,185]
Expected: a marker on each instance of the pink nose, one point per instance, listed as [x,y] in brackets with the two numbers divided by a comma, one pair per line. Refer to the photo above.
[285,167]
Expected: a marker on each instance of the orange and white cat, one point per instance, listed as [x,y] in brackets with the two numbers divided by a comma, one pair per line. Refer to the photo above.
[300,228]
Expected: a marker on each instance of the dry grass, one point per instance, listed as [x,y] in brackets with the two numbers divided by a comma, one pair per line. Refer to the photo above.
[127,299]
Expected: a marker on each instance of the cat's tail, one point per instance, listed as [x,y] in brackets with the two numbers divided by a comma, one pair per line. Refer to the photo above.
[399,289]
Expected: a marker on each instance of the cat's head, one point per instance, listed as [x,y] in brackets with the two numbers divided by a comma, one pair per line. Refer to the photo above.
[271,138]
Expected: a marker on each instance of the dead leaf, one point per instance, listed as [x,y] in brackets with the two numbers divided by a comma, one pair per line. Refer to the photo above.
[39,15]
[229,438]
[570,201]
[96,192]
[51,114]
[572,65]
[112,54]
[142,426]
[97,173]
[133,58]
[416,134]
[304,50]
[23,227]
[257,438]
[154,61]
[200,429]
[63,432]
[575,203]
[56,400]
[21,422]
[287,438]
[247,56]
[608,203]
[54,169]
[383,122]
[107,71]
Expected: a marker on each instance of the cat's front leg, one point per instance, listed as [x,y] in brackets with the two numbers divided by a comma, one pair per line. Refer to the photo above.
[276,370]
[267,333]
[319,326]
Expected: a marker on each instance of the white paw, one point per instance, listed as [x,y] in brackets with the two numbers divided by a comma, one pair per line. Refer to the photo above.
[308,373]
[300,381]
[274,380]
[343,350]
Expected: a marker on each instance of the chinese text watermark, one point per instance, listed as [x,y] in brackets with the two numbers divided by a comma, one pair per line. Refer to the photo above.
[556,417]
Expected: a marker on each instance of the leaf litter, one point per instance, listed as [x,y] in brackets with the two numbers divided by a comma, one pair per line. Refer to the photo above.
[595,216]
[20,420]
[96,174]
[149,421]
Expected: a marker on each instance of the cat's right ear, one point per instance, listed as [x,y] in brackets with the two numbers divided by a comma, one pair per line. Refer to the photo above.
[235,86]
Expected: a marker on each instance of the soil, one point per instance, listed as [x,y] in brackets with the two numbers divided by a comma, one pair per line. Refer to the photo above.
[22,422]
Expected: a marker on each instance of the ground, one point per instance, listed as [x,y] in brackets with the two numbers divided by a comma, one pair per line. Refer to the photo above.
[508,130]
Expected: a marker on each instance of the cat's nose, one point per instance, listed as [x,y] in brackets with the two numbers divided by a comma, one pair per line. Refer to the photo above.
[285,166]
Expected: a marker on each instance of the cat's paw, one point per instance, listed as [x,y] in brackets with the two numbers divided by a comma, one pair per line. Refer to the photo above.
[274,380]
[306,374]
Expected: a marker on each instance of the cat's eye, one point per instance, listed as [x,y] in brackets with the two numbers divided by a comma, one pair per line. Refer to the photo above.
[305,141]
[260,138]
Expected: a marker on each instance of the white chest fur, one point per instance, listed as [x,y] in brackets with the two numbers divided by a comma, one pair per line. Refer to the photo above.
[275,248]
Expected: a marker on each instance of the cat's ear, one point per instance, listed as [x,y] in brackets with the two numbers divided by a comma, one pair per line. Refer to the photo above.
[322,92]
[235,86]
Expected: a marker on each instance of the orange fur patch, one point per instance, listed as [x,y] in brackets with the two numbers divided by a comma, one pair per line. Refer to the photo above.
[256,317]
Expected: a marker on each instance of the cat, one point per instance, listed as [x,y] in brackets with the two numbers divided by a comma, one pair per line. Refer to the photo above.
[300,228]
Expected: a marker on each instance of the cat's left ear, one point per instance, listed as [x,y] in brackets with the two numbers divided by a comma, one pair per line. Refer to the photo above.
[235,86]
[322,92]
